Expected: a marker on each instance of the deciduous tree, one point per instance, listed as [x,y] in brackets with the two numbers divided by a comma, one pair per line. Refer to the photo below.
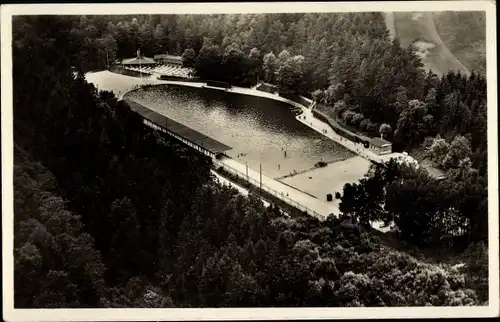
[188,57]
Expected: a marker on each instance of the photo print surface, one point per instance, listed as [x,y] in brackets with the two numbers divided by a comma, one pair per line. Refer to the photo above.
[274,161]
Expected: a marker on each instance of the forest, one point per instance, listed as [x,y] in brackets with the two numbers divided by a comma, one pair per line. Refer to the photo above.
[109,213]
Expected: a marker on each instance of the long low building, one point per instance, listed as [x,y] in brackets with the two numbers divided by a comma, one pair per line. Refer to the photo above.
[188,136]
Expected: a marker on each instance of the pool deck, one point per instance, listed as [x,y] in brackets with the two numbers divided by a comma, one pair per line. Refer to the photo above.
[319,208]
[330,179]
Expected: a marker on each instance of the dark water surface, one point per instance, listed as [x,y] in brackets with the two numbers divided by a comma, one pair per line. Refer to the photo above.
[260,128]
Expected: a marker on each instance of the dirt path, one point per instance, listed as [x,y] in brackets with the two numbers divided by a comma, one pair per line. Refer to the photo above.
[389,22]
[465,36]
[419,29]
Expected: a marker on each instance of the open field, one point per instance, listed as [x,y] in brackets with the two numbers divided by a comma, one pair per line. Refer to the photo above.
[419,29]
[464,33]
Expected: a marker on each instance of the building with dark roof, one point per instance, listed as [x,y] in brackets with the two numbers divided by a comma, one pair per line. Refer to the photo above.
[168,59]
[380,146]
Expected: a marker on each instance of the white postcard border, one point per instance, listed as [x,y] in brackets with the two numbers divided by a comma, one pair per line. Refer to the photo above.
[11,314]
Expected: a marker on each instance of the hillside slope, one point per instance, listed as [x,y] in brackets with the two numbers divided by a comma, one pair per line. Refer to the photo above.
[464,33]
[419,29]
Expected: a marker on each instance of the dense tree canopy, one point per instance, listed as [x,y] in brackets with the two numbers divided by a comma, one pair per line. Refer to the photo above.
[426,212]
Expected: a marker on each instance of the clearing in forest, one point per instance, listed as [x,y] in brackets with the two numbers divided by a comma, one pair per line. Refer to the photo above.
[464,33]
[419,29]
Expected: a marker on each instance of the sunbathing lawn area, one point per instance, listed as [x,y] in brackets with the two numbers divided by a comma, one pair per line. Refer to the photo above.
[330,179]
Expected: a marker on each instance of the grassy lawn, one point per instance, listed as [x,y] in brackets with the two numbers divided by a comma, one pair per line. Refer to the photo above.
[464,33]
[418,28]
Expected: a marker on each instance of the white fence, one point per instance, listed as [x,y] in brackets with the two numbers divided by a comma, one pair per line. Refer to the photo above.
[279,194]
